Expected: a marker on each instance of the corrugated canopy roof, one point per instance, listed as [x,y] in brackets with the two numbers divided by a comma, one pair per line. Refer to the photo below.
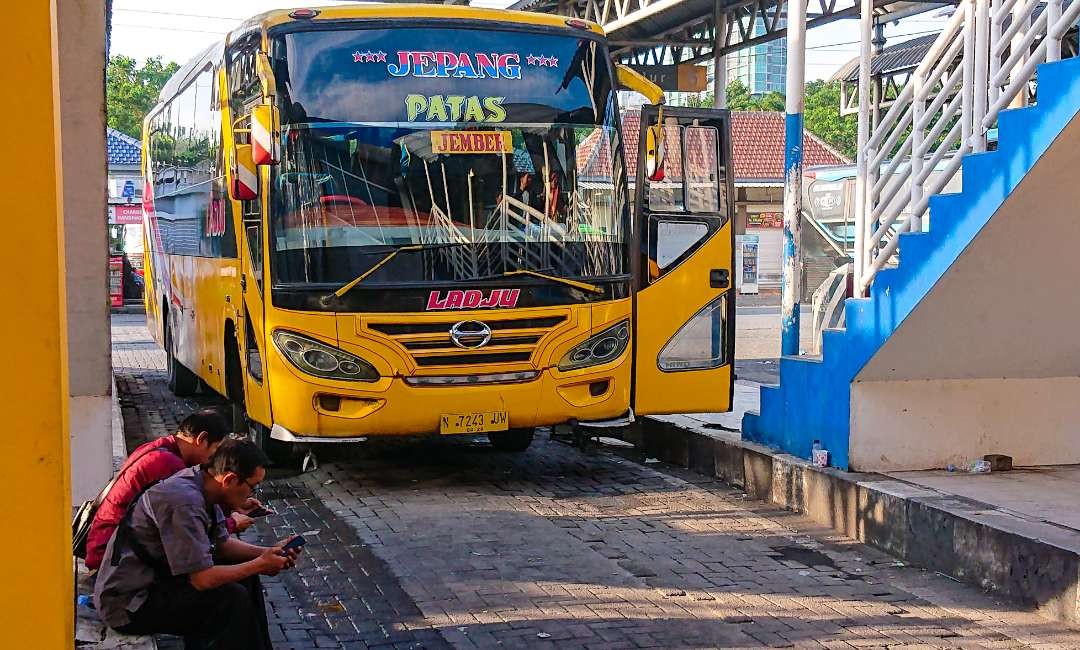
[907,55]
[894,58]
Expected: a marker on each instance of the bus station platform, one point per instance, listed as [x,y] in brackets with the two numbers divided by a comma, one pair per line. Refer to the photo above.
[1015,534]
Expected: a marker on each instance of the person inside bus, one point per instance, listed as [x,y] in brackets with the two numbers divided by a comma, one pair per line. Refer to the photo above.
[196,439]
[526,189]
[171,567]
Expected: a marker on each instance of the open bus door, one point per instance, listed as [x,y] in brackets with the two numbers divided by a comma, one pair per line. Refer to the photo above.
[684,309]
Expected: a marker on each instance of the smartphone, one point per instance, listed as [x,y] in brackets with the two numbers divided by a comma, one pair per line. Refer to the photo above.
[259,512]
[294,544]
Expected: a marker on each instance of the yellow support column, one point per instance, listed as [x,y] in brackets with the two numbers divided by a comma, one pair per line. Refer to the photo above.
[36,590]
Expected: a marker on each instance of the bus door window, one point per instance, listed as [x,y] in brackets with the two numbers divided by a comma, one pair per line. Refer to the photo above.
[244,93]
[252,218]
[692,184]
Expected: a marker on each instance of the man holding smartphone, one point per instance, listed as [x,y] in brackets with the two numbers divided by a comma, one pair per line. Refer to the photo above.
[171,566]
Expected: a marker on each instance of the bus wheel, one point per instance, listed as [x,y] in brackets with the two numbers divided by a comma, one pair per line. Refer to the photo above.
[284,455]
[234,386]
[182,382]
[515,440]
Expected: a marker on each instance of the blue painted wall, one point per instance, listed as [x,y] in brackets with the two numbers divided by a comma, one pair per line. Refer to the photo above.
[813,399]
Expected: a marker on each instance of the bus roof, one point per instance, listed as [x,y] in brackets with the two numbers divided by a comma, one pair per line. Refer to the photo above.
[403,10]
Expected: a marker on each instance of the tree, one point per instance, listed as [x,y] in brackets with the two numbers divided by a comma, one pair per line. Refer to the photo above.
[739,97]
[131,91]
[822,117]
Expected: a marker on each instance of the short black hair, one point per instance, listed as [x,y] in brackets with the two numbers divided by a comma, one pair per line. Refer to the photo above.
[241,457]
[212,422]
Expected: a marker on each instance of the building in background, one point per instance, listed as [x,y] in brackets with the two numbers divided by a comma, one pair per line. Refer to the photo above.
[125,188]
[761,68]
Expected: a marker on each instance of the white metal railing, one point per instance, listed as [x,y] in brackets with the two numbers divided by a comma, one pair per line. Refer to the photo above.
[827,304]
[982,62]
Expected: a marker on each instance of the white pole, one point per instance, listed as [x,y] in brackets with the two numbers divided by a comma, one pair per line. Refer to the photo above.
[995,61]
[866,36]
[917,159]
[793,168]
[968,85]
[1053,43]
[1021,98]
[982,72]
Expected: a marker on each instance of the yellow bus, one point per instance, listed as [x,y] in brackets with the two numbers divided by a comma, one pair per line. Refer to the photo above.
[382,220]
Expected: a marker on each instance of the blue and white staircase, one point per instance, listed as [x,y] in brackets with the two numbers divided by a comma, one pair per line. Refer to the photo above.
[813,400]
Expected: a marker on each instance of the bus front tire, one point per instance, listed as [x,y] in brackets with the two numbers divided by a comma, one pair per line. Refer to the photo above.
[287,455]
[182,382]
[514,440]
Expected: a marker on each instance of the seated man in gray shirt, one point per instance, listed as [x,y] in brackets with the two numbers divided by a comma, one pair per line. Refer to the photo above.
[171,566]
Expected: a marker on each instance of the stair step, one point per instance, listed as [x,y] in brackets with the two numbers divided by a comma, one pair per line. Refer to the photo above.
[1015,126]
[945,210]
[1059,76]
[832,342]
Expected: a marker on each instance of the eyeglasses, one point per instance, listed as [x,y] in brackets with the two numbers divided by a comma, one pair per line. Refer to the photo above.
[254,489]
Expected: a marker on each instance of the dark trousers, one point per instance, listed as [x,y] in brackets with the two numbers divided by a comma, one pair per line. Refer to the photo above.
[231,617]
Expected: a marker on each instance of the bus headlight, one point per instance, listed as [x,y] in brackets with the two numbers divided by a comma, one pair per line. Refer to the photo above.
[600,348]
[321,360]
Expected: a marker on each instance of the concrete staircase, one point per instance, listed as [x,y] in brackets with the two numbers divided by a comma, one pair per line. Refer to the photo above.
[815,399]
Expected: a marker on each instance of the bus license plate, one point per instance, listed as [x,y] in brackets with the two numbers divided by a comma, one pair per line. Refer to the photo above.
[474,422]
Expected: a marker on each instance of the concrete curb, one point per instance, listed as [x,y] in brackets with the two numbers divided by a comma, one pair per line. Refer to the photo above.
[1032,562]
[119,442]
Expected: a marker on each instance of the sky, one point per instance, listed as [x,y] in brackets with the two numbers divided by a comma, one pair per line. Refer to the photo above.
[178,31]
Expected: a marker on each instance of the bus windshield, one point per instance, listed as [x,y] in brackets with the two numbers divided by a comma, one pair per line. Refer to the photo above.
[473,153]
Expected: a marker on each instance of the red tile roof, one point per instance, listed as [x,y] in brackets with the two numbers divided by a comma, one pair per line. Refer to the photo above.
[757,148]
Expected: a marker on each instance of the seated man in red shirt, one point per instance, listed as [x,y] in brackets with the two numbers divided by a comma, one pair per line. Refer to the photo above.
[198,436]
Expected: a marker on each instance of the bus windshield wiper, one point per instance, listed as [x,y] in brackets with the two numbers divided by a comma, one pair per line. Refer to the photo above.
[584,286]
[348,286]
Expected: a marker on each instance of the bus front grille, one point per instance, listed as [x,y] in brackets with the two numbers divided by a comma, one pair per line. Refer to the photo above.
[513,340]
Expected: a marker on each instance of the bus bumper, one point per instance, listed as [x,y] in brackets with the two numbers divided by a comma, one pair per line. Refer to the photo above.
[304,412]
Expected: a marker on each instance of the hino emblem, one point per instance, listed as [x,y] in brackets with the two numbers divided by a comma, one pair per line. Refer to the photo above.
[470,334]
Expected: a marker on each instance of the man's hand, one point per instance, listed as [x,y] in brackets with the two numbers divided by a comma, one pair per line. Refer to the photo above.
[272,561]
[243,522]
[250,505]
[292,553]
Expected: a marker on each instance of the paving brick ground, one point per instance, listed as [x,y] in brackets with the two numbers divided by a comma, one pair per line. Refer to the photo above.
[447,543]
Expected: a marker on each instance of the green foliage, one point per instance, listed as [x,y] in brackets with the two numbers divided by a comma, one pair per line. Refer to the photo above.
[132,90]
[822,117]
[821,111]
[738,97]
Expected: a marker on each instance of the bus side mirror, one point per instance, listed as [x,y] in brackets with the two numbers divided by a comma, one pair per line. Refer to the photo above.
[244,175]
[630,79]
[265,127]
[654,152]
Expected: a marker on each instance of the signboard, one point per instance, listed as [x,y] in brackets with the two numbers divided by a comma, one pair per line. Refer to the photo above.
[827,199]
[680,78]
[116,281]
[472,142]
[129,190]
[765,220]
[122,215]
